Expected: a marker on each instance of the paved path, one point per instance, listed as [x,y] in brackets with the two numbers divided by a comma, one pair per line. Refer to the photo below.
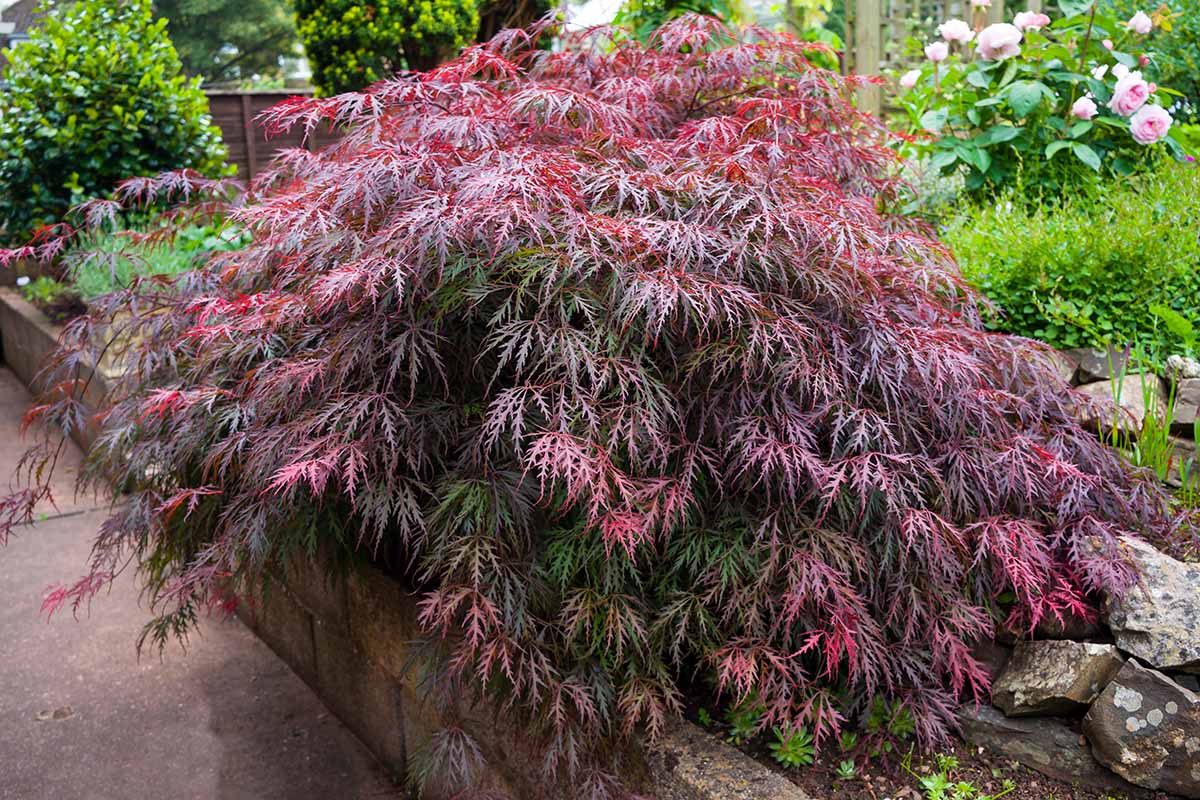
[82,718]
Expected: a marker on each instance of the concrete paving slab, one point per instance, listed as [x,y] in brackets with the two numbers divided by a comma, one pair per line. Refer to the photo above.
[14,401]
[82,717]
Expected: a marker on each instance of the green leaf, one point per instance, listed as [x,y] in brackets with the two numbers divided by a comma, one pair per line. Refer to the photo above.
[1080,128]
[934,119]
[973,155]
[979,79]
[1074,8]
[1010,72]
[1025,96]
[1087,155]
[1054,147]
[943,159]
[997,134]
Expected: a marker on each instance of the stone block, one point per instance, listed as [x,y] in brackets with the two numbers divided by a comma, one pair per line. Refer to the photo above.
[287,628]
[1095,364]
[1159,619]
[383,621]
[1122,404]
[1187,406]
[1146,728]
[362,696]
[692,764]
[1054,677]
[322,594]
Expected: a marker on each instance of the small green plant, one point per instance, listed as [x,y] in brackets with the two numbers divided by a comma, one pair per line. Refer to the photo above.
[704,718]
[793,747]
[743,720]
[1180,326]
[889,724]
[846,771]
[55,299]
[940,785]
[42,290]
[848,741]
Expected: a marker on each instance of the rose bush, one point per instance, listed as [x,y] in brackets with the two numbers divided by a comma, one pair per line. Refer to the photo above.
[1038,103]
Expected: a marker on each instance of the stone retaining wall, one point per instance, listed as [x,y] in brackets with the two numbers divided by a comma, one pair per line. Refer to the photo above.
[27,337]
[349,640]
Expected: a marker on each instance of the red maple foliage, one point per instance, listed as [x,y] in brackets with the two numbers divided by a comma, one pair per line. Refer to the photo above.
[620,354]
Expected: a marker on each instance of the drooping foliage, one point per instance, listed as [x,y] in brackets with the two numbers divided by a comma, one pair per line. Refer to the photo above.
[96,95]
[618,356]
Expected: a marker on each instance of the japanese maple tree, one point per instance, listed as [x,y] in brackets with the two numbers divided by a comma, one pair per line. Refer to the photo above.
[619,356]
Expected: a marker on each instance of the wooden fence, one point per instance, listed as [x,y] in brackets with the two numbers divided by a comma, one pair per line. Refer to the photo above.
[876,30]
[249,148]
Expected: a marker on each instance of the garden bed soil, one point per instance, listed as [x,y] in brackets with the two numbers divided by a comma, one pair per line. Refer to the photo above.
[986,770]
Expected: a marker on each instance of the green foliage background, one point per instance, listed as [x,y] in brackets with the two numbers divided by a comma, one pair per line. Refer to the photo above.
[351,44]
[1085,270]
[229,39]
[95,96]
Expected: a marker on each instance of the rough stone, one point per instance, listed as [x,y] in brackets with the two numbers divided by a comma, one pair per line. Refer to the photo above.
[1065,364]
[1187,404]
[691,764]
[1146,728]
[1044,744]
[1184,461]
[1159,620]
[1183,367]
[1125,402]
[1099,365]
[1054,677]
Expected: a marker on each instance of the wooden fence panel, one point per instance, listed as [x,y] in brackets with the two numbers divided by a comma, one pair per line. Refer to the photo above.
[876,30]
[250,150]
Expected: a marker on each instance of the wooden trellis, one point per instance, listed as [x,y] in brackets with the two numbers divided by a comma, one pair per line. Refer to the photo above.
[876,30]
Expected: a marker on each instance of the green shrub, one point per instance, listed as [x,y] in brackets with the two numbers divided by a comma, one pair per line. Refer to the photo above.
[1087,270]
[95,96]
[352,44]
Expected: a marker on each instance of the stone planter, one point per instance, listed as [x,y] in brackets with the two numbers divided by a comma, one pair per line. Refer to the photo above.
[27,337]
[349,639]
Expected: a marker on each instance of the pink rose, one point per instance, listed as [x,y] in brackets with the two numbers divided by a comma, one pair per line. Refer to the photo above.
[1108,45]
[981,3]
[1149,124]
[1140,23]
[1120,71]
[937,51]
[909,79]
[1030,20]
[1084,108]
[1100,71]
[955,30]
[999,41]
[1130,94]
[1143,60]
